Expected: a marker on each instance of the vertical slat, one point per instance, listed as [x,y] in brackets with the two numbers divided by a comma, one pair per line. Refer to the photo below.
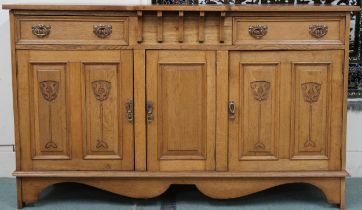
[211,109]
[222,110]
[23,105]
[345,91]
[181,26]
[159,26]
[202,27]
[15,90]
[140,27]
[139,109]
[221,27]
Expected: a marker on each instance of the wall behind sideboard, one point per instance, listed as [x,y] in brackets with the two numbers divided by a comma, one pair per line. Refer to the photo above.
[7,156]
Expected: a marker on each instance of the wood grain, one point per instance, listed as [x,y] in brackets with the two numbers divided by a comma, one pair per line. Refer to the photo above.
[248,8]
[77,93]
[181,87]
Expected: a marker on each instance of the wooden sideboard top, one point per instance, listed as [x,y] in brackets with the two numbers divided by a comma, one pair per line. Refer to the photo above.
[232,8]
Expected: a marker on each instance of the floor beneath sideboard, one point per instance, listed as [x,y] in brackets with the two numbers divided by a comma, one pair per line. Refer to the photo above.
[76,196]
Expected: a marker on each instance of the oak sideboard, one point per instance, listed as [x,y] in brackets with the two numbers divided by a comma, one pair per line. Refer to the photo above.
[133,99]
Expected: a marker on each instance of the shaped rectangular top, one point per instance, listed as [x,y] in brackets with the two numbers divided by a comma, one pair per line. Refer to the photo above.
[225,8]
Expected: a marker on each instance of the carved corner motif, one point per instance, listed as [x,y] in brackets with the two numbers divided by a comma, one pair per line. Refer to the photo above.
[309,143]
[51,145]
[49,90]
[101,89]
[260,90]
[101,145]
[259,146]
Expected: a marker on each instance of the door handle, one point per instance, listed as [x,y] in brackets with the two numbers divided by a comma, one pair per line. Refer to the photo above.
[231,108]
[149,109]
[129,109]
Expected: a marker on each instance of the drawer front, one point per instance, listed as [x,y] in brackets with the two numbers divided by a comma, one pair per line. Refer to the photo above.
[62,30]
[286,30]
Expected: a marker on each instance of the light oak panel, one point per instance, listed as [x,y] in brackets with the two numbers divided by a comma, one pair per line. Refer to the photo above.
[311,118]
[182,57]
[49,115]
[284,30]
[182,87]
[65,30]
[296,70]
[103,118]
[73,63]
[182,133]
[259,84]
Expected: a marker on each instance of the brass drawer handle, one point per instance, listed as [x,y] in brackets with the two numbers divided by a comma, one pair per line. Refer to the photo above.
[149,109]
[231,108]
[129,108]
[102,31]
[41,30]
[258,31]
[318,30]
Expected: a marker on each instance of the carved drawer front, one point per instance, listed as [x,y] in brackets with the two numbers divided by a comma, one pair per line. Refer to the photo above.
[287,30]
[63,30]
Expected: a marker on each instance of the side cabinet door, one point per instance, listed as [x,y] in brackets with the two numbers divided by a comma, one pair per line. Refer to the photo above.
[181,110]
[73,108]
[288,110]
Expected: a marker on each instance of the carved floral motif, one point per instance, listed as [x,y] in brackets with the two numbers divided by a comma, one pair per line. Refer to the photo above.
[260,91]
[101,89]
[49,90]
[311,92]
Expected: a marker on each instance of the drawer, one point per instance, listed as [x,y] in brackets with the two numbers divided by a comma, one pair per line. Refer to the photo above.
[287,30]
[65,30]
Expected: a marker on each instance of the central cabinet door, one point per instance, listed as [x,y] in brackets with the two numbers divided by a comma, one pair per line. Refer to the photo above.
[181,110]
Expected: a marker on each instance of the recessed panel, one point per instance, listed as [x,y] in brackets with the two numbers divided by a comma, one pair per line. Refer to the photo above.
[49,109]
[259,96]
[311,91]
[103,136]
[182,102]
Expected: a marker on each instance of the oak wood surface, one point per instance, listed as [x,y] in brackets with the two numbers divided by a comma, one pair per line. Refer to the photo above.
[181,87]
[249,8]
[80,99]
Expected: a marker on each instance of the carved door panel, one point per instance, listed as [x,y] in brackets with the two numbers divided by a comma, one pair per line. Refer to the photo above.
[75,109]
[181,110]
[288,110]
